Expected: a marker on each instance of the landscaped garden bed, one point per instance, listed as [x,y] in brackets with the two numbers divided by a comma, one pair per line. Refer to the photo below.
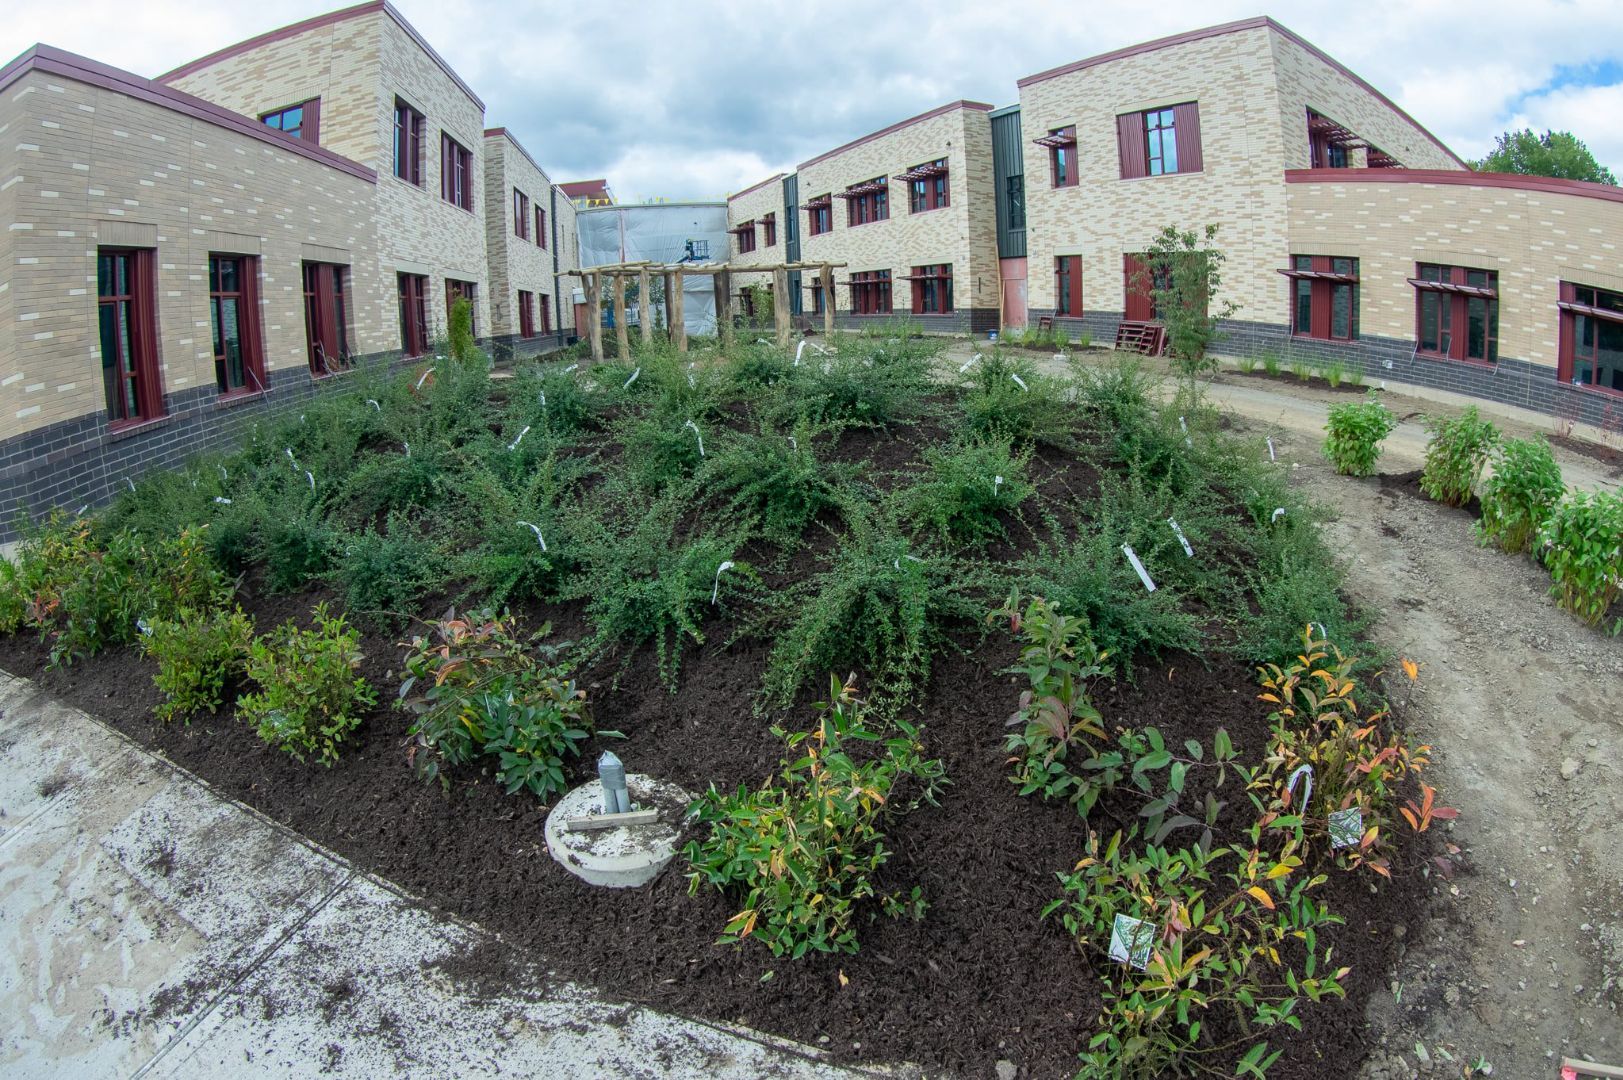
[708,540]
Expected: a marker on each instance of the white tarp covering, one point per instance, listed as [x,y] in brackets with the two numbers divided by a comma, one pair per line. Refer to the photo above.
[661,233]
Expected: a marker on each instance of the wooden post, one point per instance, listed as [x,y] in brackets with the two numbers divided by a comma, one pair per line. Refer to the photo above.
[668,332]
[826,275]
[724,306]
[594,314]
[780,304]
[622,337]
[679,325]
[645,310]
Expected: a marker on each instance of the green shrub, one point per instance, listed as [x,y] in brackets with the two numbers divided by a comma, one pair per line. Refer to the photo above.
[1582,544]
[967,490]
[13,603]
[1518,497]
[1008,398]
[866,384]
[197,654]
[1302,370]
[1334,373]
[383,575]
[461,333]
[1456,455]
[660,450]
[309,688]
[1355,435]
[1271,363]
[1247,364]
[775,482]
[803,849]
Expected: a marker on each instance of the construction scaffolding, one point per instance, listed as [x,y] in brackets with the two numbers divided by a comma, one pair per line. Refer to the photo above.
[619,275]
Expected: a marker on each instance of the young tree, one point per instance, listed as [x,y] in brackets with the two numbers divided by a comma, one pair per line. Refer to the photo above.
[1555,153]
[1183,271]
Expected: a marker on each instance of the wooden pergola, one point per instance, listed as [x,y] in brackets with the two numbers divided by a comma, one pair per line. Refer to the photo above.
[619,274]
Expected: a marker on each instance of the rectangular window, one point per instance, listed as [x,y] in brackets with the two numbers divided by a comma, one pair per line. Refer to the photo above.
[1327,142]
[414,314]
[746,237]
[1457,312]
[1068,285]
[1016,186]
[540,226]
[302,121]
[521,214]
[932,289]
[927,186]
[1324,297]
[462,290]
[239,357]
[820,215]
[867,202]
[526,315]
[769,230]
[546,314]
[1591,337]
[870,293]
[817,298]
[126,307]
[408,143]
[456,173]
[326,329]
[1160,142]
[1061,145]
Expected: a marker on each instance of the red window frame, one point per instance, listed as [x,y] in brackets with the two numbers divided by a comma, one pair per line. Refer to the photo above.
[870,293]
[1062,168]
[1068,286]
[234,283]
[540,226]
[526,315]
[869,207]
[746,237]
[408,143]
[1140,280]
[932,192]
[456,173]
[462,290]
[521,214]
[413,290]
[820,217]
[1163,141]
[1454,314]
[127,299]
[817,298]
[326,330]
[932,289]
[1588,313]
[306,127]
[1321,152]
[769,230]
[546,314]
[1314,301]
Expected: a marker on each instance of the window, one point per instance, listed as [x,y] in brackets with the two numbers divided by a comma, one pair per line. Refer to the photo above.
[932,289]
[820,215]
[126,308]
[1324,297]
[870,293]
[1061,146]
[408,143]
[867,202]
[546,314]
[239,359]
[521,214]
[1327,142]
[746,237]
[302,121]
[1457,312]
[1068,285]
[1142,279]
[540,226]
[769,230]
[526,314]
[326,327]
[456,173]
[1016,188]
[413,314]
[1159,142]
[927,187]
[462,290]
[817,298]
[1591,337]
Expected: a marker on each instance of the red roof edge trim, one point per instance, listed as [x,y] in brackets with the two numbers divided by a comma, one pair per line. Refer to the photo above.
[1546,184]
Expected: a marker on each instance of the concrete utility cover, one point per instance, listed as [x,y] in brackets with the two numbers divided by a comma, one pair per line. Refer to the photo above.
[623,857]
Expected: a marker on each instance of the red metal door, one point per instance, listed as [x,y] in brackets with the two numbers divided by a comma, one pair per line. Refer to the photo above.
[1140,305]
[1014,293]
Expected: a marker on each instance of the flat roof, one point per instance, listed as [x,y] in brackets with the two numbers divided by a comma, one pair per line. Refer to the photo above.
[978,106]
[503,133]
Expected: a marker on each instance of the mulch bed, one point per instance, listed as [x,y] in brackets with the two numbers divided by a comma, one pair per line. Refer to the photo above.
[980,979]
[1606,455]
[1317,382]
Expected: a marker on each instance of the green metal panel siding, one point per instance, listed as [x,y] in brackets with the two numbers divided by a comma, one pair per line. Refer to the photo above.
[791,239]
[1008,162]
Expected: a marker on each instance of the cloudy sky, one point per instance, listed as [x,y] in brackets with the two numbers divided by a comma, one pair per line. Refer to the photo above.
[703,97]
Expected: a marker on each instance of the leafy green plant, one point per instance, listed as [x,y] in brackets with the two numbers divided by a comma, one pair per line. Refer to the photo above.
[383,574]
[804,847]
[309,688]
[1334,373]
[1517,498]
[876,385]
[1183,272]
[461,331]
[1271,363]
[967,491]
[1248,364]
[774,481]
[1302,370]
[1355,435]
[1009,398]
[1581,542]
[1456,454]
[198,654]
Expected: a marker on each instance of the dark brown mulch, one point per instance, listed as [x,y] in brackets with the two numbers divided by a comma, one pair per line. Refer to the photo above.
[1408,484]
[1317,382]
[1606,455]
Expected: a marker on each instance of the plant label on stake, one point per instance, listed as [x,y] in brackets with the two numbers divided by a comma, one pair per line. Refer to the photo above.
[696,435]
[1271,456]
[967,364]
[538,537]
[1279,512]
[1346,827]
[426,374]
[1018,381]
[1182,539]
[997,482]
[1130,941]
[1143,574]
[798,350]
[373,402]
[514,444]
[715,590]
[311,477]
[627,384]
[1303,772]
[571,367]
[1187,441]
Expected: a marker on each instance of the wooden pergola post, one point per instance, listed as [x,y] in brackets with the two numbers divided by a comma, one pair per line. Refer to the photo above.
[594,314]
[826,274]
[780,304]
[622,337]
[678,319]
[667,280]
[724,306]
[645,310]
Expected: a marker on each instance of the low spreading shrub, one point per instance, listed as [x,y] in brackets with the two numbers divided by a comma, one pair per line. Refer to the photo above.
[310,693]
[803,849]
[1008,398]
[1456,454]
[1355,432]
[1518,497]
[775,482]
[967,491]
[382,575]
[198,655]
[1581,542]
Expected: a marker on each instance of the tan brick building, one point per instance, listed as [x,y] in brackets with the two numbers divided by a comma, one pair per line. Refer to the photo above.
[522,242]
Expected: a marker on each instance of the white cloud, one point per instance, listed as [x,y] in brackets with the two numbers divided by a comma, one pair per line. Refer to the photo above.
[1593,113]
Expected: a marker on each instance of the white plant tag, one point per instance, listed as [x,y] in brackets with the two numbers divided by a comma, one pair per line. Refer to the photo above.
[311,477]
[288,450]
[628,382]
[997,482]
[1279,512]
[1143,574]
[1182,539]
[798,350]
[373,402]
[1303,772]
[1131,940]
[407,445]
[221,499]
[1187,441]
[794,445]
[424,378]
[696,435]
[1347,827]
[1018,381]
[715,590]
[82,509]
[571,367]
[514,444]
[130,482]
[967,364]
[535,529]
[1271,456]
[543,399]
[223,474]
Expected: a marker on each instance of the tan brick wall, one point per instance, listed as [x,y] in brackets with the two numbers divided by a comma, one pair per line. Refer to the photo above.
[568,259]
[753,206]
[1534,239]
[963,233]
[515,262]
[94,167]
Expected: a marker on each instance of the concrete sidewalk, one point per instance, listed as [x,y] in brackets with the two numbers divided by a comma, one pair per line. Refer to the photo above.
[154,928]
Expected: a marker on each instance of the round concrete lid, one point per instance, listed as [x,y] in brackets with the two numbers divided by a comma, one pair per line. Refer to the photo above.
[625,856]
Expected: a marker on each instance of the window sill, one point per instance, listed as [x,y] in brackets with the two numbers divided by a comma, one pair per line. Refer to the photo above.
[1324,340]
[1488,365]
[863,224]
[931,209]
[238,397]
[419,185]
[1590,388]
[129,429]
[1166,176]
